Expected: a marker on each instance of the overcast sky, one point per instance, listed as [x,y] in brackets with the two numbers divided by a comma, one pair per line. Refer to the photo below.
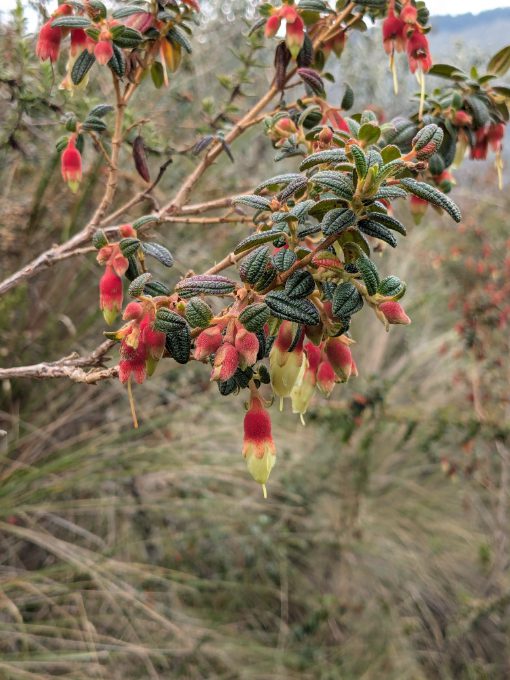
[435,6]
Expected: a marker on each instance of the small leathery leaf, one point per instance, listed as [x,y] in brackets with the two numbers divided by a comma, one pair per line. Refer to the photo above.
[376,230]
[327,157]
[300,311]
[128,38]
[158,252]
[274,182]
[346,300]
[117,63]
[284,259]
[208,284]
[369,273]
[178,344]
[392,286]
[140,158]
[156,288]
[390,169]
[82,66]
[300,284]
[254,265]
[177,36]
[137,285]
[129,246]
[99,239]
[360,160]
[101,110]
[389,193]
[145,219]
[252,201]
[267,278]
[70,21]
[258,239]
[168,321]
[198,313]
[293,188]
[337,220]
[432,195]
[312,79]
[93,123]
[255,316]
[336,182]
[388,221]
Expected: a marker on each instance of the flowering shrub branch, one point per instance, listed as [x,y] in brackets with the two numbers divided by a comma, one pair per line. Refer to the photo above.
[306,268]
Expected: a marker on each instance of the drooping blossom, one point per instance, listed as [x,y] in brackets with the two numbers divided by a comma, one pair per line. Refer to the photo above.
[71,165]
[259,449]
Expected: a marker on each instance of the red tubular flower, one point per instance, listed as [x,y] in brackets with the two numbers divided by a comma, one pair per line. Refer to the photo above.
[247,344]
[259,450]
[462,118]
[340,357]
[394,313]
[226,362]
[208,342]
[495,135]
[481,147]
[295,35]
[49,39]
[393,33]
[272,26]
[335,119]
[79,40]
[103,51]
[326,378]
[132,363]
[154,341]
[335,44]
[127,231]
[418,52]
[71,165]
[409,14]
[110,295]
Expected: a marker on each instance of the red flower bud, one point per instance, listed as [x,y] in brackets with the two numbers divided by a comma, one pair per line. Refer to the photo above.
[340,358]
[103,51]
[79,40]
[207,343]
[409,14]
[462,118]
[495,135]
[258,445]
[295,35]
[70,162]
[226,362]
[110,295]
[326,378]
[247,345]
[133,311]
[127,231]
[153,340]
[49,39]
[394,313]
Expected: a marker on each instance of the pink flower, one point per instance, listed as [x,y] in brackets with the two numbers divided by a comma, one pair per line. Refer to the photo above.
[284,365]
[326,378]
[340,357]
[132,363]
[304,388]
[110,295]
[226,362]
[208,342]
[259,450]
[79,41]
[71,167]
[247,345]
[49,39]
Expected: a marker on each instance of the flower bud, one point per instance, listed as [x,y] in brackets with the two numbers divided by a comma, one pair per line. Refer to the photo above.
[208,342]
[409,14]
[110,295]
[141,21]
[326,378]
[394,313]
[295,35]
[226,362]
[70,162]
[247,345]
[133,311]
[462,118]
[259,450]
[127,231]
[340,357]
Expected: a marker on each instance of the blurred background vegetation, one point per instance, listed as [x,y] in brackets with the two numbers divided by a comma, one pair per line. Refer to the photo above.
[382,551]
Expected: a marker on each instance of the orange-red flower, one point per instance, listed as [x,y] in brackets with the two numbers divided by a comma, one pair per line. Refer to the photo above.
[49,39]
[418,52]
[71,166]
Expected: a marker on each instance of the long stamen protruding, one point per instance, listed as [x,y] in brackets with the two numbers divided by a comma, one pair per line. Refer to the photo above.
[132,404]
[393,67]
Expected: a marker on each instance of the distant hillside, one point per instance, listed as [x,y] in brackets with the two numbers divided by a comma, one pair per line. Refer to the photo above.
[482,33]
